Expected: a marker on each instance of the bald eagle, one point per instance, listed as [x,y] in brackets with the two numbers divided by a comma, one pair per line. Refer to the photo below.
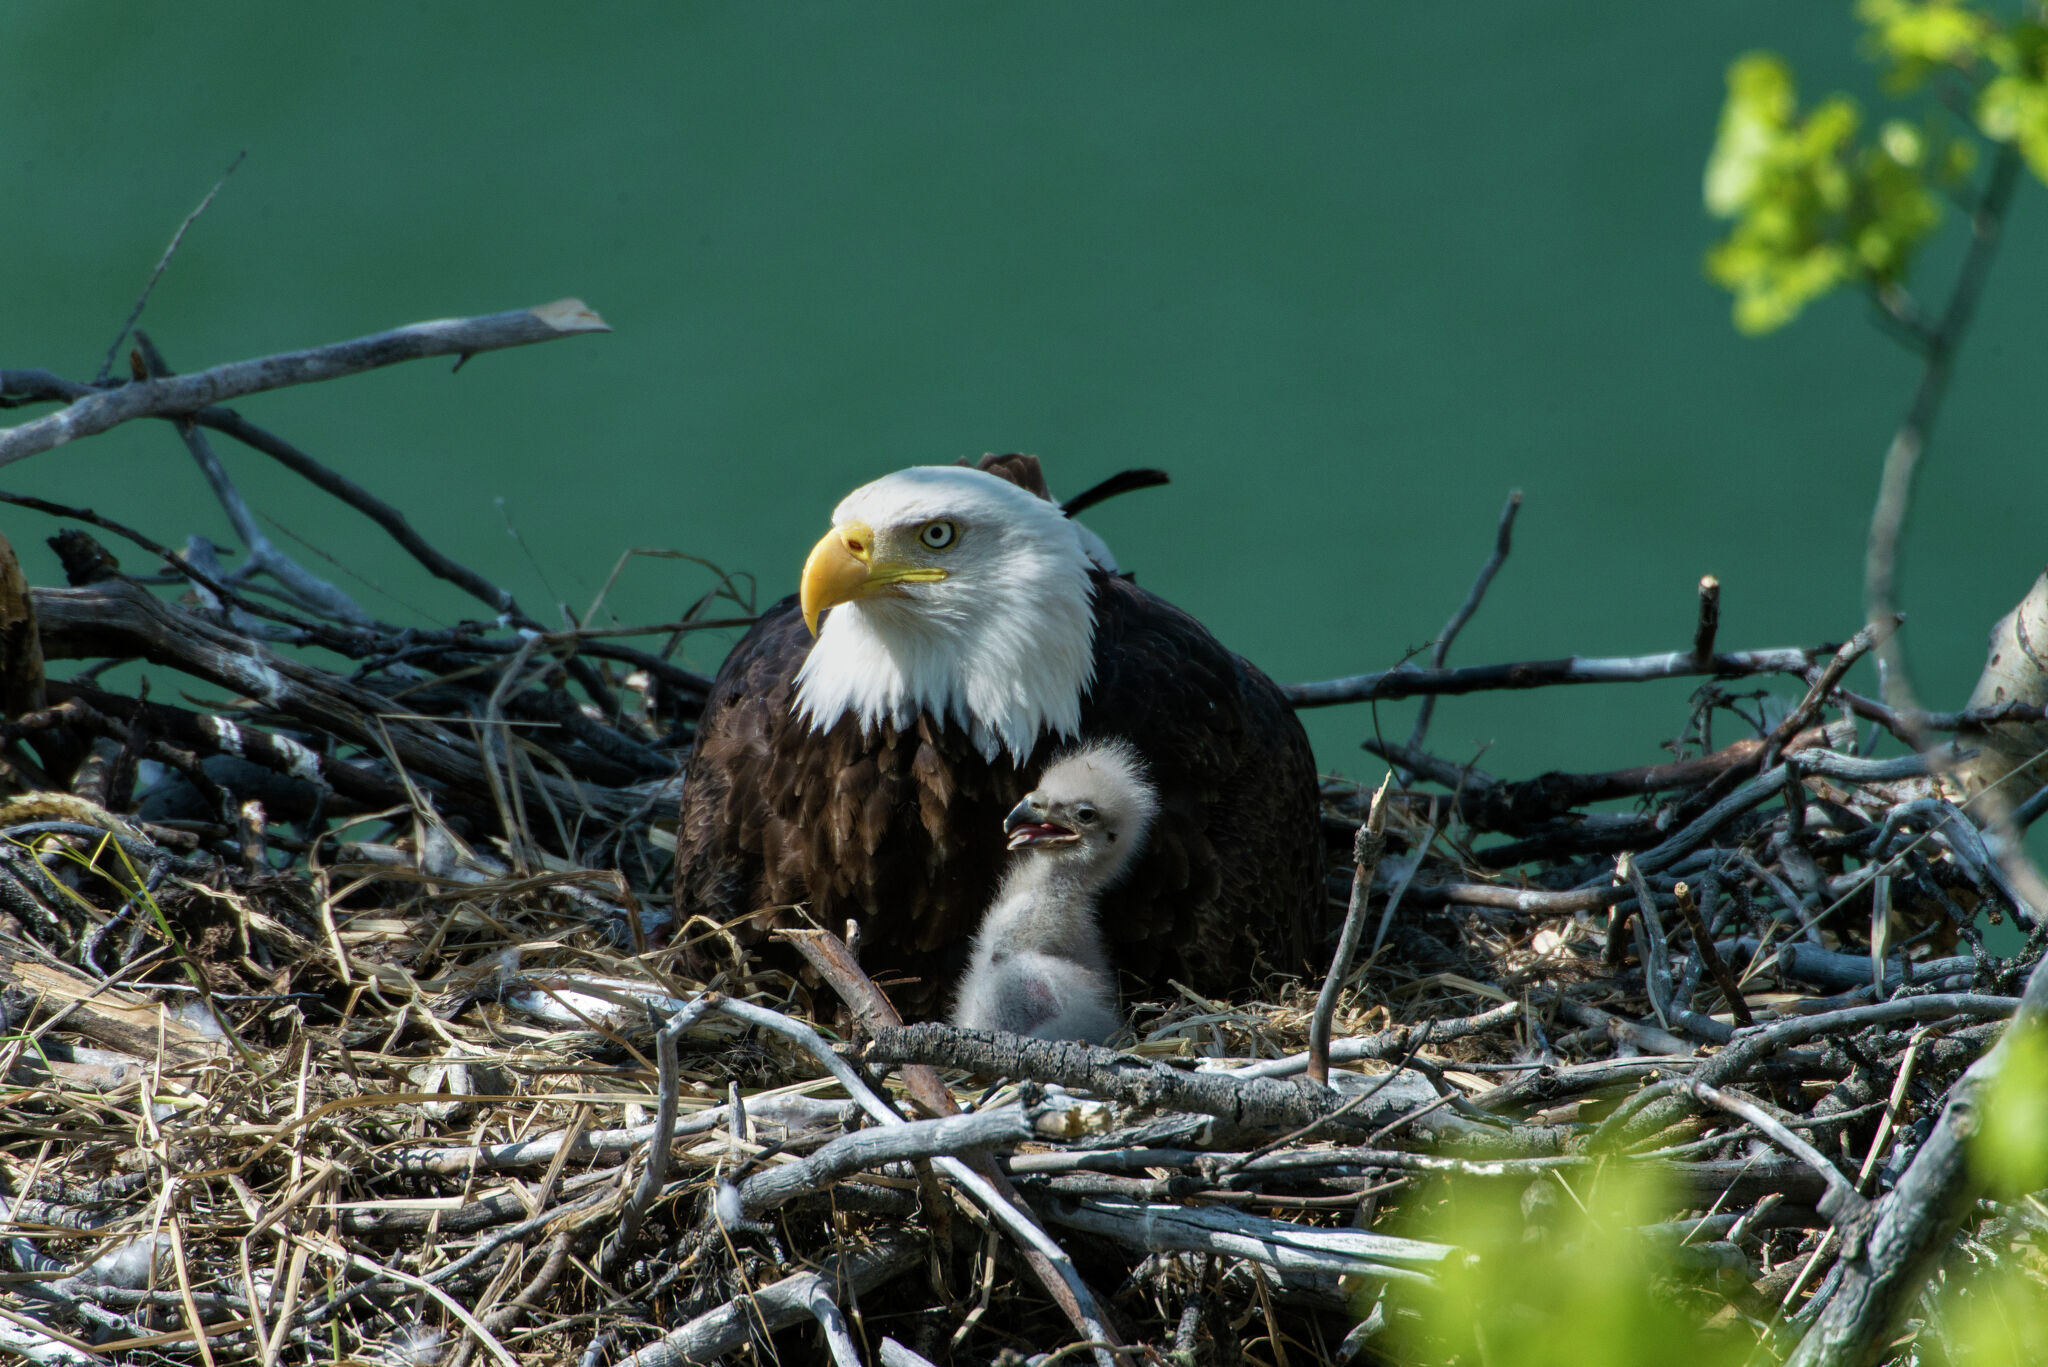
[865,740]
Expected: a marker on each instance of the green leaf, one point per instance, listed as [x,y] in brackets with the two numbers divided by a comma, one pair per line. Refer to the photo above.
[1760,103]
[1919,37]
[1813,206]
[2014,109]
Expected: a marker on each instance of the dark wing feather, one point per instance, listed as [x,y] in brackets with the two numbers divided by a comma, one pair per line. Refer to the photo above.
[1235,863]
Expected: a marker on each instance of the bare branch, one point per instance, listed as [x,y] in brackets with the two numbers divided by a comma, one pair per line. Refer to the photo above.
[1410,682]
[1371,841]
[162,264]
[1502,536]
[306,589]
[1842,1204]
[655,1174]
[187,394]
[1902,459]
[1709,620]
[1004,1127]
[717,1332]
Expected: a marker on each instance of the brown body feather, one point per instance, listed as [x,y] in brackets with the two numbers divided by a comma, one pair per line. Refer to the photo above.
[902,831]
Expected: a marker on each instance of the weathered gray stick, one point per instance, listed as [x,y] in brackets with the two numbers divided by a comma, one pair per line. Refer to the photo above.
[1019,1224]
[614,1250]
[731,1326]
[1503,539]
[1276,1243]
[1256,1103]
[1573,669]
[188,393]
[1002,1128]
[1366,850]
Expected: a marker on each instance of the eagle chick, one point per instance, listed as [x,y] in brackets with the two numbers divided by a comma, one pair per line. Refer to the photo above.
[1038,965]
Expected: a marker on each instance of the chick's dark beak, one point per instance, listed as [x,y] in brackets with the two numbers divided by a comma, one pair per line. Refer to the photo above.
[1029,824]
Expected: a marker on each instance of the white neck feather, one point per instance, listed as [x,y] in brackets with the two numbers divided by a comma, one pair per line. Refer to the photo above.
[1004,647]
[1045,906]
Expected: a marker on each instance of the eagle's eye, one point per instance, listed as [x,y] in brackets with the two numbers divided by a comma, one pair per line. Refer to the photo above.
[938,535]
[1085,815]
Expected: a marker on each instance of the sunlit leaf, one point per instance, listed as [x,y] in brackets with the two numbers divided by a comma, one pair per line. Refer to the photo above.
[1760,102]
[2014,109]
[1917,37]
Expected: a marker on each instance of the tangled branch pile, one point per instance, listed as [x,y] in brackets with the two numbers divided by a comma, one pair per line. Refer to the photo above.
[340,1019]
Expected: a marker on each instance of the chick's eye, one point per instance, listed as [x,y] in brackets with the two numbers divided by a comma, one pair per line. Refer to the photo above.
[1085,815]
[938,535]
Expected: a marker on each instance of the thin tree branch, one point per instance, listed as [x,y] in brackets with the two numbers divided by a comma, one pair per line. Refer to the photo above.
[162,264]
[731,1326]
[187,394]
[1502,536]
[1410,682]
[1366,850]
[306,589]
[1902,459]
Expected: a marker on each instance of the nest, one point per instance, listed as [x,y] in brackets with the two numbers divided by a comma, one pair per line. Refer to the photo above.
[344,1017]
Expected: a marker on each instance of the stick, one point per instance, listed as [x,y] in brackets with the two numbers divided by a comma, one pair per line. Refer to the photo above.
[1854,649]
[1408,682]
[1883,1273]
[1653,951]
[655,1175]
[1709,619]
[1276,1243]
[1366,850]
[1841,1204]
[894,1354]
[187,394]
[162,264]
[1002,1128]
[306,589]
[1502,536]
[394,523]
[984,1191]
[835,962]
[787,1302]
[818,1302]
[1902,459]
[1710,955]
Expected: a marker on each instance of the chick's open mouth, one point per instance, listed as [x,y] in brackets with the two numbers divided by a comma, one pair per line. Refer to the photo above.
[1039,833]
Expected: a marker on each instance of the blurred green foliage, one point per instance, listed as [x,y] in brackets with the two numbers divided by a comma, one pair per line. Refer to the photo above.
[1817,199]
[2010,1147]
[1991,1316]
[1575,1286]
[1993,1306]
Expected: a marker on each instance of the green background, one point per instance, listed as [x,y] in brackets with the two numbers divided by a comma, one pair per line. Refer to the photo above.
[1349,272]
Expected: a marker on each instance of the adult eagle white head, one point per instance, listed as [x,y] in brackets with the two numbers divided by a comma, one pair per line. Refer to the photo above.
[958,596]
[863,743]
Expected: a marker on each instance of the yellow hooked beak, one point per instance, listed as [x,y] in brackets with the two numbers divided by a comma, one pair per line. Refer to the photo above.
[842,567]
